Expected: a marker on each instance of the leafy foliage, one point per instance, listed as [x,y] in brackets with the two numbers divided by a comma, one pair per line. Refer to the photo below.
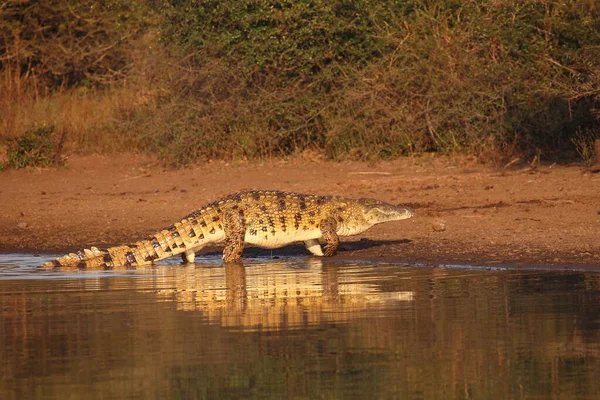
[379,79]
[36,148]
[364,79]
[287,39]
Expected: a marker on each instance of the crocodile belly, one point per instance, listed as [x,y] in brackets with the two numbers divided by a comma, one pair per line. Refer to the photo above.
[270,240]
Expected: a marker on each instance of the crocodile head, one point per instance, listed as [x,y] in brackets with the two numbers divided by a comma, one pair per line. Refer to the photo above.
[362,214]
[376,212]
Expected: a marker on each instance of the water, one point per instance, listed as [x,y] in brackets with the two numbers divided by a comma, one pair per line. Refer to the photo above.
[297,328]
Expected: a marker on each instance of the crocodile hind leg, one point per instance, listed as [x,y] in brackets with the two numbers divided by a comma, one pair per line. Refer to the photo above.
[332,241]
[314,247]
[233,225]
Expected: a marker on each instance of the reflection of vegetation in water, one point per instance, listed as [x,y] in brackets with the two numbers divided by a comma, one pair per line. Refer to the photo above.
[172,333]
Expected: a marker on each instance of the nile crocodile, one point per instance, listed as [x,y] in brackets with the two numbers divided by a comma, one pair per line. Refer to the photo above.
[267,219]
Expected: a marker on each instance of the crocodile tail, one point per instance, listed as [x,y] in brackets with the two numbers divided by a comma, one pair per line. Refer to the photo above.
[126,256]
[82,259]
[162,245]
[190,234]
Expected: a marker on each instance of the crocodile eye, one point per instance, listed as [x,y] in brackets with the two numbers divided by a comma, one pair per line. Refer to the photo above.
[369,202]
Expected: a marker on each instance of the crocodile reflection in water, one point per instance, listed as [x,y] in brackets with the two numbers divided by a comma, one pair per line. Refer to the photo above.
[267,296]
[271,296]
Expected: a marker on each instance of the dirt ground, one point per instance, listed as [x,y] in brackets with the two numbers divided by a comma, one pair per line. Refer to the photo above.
[466,213]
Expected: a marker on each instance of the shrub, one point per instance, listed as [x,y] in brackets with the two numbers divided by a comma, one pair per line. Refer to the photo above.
[65,43]
[285,39]
[378,79]
[366,79]
[35,148]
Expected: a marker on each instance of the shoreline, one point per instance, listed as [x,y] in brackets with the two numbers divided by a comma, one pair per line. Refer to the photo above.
[467,213]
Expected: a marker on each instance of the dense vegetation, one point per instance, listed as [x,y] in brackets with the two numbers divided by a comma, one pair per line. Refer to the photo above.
[363,79]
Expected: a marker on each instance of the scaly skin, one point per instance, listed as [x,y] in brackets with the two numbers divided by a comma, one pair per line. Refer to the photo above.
[268,219]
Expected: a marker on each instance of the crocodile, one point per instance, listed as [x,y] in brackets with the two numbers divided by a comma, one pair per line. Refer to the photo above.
[267,219]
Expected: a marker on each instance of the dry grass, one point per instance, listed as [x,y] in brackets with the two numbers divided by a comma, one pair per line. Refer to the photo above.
[90,118]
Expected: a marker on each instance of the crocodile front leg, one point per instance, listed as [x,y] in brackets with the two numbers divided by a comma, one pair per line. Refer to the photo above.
[234,228]
[332,241]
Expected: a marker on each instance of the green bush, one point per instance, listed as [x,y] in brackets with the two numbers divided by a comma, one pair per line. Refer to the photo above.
[378,79]
[35,148]
[285,39]
[364,79]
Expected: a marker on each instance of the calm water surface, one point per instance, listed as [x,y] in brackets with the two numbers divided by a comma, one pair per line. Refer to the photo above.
[297,328]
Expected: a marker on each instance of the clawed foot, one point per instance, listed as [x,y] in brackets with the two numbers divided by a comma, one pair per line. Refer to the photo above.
[330,250]
[231,254]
